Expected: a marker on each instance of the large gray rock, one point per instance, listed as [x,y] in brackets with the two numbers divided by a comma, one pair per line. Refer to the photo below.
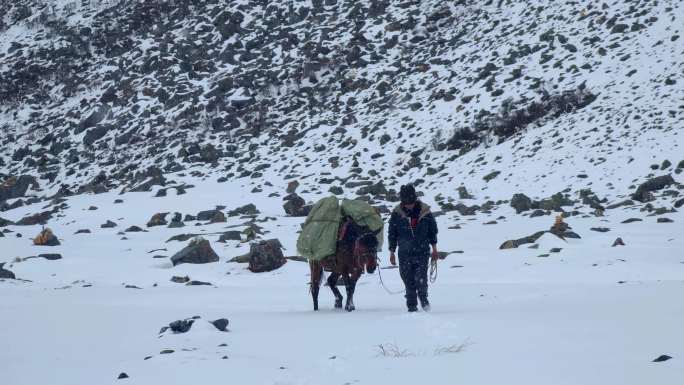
[198,251]
[643,192]
[266,256]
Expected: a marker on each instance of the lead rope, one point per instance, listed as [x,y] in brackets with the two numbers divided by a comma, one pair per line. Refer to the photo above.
[433,270]
[382,283]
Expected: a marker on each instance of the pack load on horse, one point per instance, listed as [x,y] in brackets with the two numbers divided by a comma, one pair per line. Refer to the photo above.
[342,238]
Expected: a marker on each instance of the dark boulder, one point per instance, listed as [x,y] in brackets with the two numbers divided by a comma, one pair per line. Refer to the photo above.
[266,256]
[213,216]
[220,324]
[198,251]
[108,225]
[644,191]
[292,187]
[296,206]
[158,219]
[463,193]
[249,209]
[514,243]
[618,242]
[230,236]
[50,257]
[5,222]
[521,203]
[6,274]
[134,229]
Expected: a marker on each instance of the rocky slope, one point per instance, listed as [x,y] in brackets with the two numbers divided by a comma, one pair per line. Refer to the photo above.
[502,96]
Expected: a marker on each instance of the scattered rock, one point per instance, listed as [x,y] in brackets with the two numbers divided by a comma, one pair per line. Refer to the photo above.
[108,225]
[179,326]
[134,229]
[166,351]
[122,375]
[50,257]
[198,251]
[644,191]
[521,202]
[177,279]
[292,187]
[220,324]
[198,283]
[249,209]
[630,220]
[46,238]
[618,242]
[511,244]
[600,229]
[266,256]
[158,219]
[555,250]
[665,220]
[662,358]
[230,236]
[6,274]
[213,216]
[296,206]
[83,231]
[463,193]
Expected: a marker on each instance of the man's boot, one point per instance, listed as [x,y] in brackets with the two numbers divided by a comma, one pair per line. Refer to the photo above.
[425,304]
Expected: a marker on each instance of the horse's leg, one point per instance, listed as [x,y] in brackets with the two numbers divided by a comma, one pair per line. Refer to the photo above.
[316,273]
[350,283]
[332,282]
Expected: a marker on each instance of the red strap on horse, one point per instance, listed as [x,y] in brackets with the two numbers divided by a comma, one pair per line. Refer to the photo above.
[343,231]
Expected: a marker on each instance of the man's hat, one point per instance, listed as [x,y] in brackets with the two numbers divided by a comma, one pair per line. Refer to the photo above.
[407,193]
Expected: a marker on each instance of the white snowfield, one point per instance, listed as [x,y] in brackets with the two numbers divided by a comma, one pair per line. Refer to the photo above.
[589,314]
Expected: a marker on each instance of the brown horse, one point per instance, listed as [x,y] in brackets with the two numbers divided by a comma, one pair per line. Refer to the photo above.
[356,250]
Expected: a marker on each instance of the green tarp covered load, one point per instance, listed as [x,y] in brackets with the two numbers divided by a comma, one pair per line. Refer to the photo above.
[318,238]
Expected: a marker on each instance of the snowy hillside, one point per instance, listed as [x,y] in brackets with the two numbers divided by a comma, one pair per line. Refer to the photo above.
[130,128]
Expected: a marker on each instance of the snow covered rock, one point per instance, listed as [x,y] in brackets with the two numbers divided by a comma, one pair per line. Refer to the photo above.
[266,256]
[6,274]
[197,252]
[46,238]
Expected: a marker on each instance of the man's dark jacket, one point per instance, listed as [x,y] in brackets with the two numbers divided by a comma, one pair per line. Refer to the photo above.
[416,242]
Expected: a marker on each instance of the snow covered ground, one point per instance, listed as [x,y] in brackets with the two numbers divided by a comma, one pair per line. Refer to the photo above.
[589,314]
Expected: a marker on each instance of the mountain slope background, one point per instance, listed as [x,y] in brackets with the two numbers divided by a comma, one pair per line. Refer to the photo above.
[410,90]
[131,128]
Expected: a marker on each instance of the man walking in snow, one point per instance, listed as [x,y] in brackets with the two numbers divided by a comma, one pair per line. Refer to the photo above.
[413,228]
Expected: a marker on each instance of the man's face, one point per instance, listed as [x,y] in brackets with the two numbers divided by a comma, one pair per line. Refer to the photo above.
[410,206]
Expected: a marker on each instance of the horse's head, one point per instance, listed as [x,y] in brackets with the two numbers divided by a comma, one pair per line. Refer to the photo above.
[368,251]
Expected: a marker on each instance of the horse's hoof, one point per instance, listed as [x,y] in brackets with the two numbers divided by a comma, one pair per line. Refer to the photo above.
[338,304]
[350,308]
